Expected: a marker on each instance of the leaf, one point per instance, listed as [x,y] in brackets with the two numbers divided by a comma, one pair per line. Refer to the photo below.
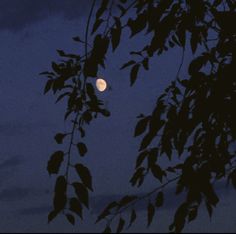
[131,62]
[62,96]
[141,158]
[116,34]
[152,157]
[48,86]
[90,90]
[121,225]
[52,215]
[105,112]
[145,63]
[106,211]
[138,176]
[82,193]
[61,184]
[141,126]
[194,42]
[122,9]
[59,138]
[96,25]
[84,175]
[82,132]
[56,68]
[102,8]
[159,199]
[217,2]
[126,200]
[60,197]
[209,209]
[61,52]
[181,34]
[157,172]
[76,207]
[138,24]
[197,64]
[107,230]
[55,162]
[151,213]
[70,218]
[146,141]
[192,214]
[232,178]
[134,73]
[82,149]
[87,117]
[77,39]
[179,219]
[133,217]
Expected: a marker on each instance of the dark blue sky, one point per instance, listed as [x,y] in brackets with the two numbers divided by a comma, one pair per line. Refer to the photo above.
[30,33]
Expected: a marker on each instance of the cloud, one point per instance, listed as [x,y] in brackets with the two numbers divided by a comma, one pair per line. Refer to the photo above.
[35,210]
[11,162]
[16,128]
[20,193]
[13,128]
[15,194]
[18,14]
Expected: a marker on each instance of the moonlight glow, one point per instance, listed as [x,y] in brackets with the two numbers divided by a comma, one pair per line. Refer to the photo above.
[101,84]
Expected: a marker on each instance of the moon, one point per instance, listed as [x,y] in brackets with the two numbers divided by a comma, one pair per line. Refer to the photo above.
[101,85]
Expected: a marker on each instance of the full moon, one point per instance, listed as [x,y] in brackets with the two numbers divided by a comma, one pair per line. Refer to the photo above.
[101,85]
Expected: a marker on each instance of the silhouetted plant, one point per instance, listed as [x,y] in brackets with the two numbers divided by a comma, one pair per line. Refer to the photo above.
[193,120]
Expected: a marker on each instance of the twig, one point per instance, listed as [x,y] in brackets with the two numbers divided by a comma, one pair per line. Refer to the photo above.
[140,199]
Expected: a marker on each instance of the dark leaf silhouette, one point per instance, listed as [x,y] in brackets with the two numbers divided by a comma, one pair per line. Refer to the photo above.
[85,175]
[126,200]
[138,24]
[151,213]
[157,172]
[141,126]
[76,207]
[60,197]
[121,225]
[59,138]
[82,149]
[52,215]
[159,199]
[70,218]
[106,211]
[133,217]
[141,158]
[116,34]
[145,63]
[102,8]
[97,24]
[193,214]
[55,162]
[131,62]
[107,230]
[134,73]
[82,193]
[48,86]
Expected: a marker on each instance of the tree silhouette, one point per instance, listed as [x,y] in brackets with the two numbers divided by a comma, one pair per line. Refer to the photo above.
[192,121]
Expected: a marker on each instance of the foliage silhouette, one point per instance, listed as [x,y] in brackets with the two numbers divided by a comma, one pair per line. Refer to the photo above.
[193,120]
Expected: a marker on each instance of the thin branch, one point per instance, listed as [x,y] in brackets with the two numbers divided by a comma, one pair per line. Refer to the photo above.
[140,199]
[125,11]
[108,18]
[87,28]
[181,63]
[70,146]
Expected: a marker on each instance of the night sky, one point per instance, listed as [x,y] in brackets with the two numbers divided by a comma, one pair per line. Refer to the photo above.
[30,33]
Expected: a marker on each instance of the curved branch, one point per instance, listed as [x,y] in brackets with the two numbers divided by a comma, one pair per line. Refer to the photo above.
[140,199]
